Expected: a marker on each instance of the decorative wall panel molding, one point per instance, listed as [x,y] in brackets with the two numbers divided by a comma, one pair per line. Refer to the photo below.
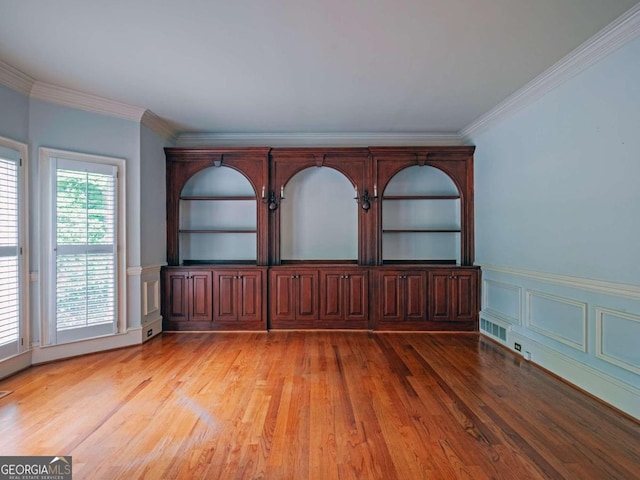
[618,338]
[598,286]
[150,297]
[503,301]
[558,318]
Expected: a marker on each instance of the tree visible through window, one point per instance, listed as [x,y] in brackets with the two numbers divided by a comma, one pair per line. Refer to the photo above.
[85,240]
[83,268]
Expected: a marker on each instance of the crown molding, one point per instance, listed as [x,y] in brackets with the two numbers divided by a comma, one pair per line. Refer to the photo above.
[15,79]
[317,139]
[622,30]
[158,125]
[85,101]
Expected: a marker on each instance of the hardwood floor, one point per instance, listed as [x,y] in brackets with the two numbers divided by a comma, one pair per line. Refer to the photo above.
[318,405]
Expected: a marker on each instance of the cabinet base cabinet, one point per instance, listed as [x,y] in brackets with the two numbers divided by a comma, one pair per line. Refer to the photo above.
[402,303]
[415,298]
[454,298]
[238,300]
[187,303]
[293,296]
[213,299]
[344,299]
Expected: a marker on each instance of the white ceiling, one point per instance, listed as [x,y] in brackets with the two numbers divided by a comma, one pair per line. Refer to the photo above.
[299,66]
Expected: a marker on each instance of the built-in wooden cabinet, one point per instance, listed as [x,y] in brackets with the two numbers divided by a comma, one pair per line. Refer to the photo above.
[344,298]
[294,296]
[238,299]
[402,299]
[454,295]
[187,299]
[214,298]
[391,246]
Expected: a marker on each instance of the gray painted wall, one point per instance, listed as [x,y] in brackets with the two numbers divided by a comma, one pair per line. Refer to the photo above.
[557,194]
[14,114]
[153,221]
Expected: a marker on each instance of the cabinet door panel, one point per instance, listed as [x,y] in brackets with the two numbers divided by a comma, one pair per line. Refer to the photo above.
[200,304]
[225,295]
[391,297]
[177,296]
[465,296]
[356,296]
[331,296]
[440,288]
[282,296]
[307,296]
[415,294]
[250,296]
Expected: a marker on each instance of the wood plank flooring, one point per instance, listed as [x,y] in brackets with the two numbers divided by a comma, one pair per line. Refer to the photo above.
[314,405]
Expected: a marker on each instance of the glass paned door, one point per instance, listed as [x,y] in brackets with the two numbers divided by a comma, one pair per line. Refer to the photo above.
[85,211]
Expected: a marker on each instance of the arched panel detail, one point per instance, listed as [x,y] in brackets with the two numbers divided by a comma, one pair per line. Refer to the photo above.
[419,169]
[194,178]
[316,222]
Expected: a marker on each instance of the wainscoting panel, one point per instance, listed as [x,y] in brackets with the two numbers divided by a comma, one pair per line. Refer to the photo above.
[618,338]
[561,319]
[503,301]
[150,297]
[151,320]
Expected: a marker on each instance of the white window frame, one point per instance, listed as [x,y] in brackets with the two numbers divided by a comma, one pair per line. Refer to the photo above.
[24,336]
[48,256]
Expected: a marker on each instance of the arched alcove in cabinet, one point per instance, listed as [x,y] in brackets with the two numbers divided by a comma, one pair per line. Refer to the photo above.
[217,211]
[319,217]
[318,238]
[424,238]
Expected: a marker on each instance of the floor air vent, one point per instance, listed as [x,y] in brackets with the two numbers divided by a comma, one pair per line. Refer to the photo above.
[493,329]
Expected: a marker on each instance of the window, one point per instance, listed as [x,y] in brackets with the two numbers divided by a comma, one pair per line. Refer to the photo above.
[85,262]
[12,263]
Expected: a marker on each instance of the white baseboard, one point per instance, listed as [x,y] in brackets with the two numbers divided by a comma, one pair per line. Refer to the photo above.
[14,364]
[93,345]
[154,326]
[616,393]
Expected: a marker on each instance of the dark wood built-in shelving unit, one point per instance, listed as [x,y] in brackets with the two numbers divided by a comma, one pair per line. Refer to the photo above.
[437,292]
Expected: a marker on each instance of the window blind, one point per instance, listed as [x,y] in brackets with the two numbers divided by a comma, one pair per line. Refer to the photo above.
[9,252]
[85,220]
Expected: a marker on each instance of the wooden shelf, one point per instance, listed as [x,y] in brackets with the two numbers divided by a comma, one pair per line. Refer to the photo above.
[421,197]
[209,198]
[219,230]
[196,262]
[421,262]
[421,230]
